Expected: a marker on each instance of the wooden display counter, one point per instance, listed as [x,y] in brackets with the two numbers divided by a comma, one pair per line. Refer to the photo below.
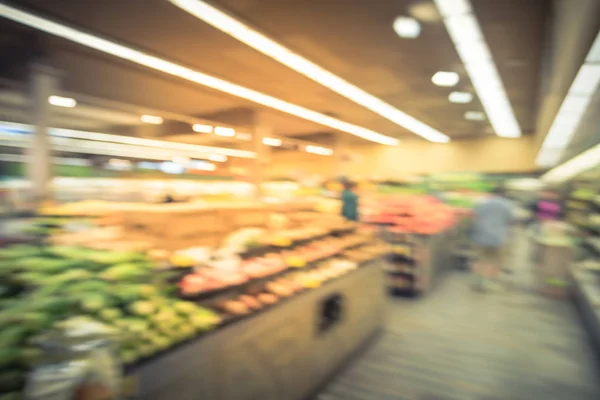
[287,352]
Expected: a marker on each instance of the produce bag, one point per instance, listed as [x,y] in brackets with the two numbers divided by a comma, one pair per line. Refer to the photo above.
[79,363]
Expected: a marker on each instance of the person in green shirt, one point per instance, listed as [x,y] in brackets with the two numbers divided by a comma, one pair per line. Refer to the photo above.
[349,202]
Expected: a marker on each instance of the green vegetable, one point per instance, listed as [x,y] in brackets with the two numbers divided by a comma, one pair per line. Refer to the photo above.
[124,273]
[29,356]
[131,292]
[142,308]
[9,356]
[87,287]
[93,302]
[70,276]
[185,307]
[14,336]
[132,325]
[128,356]
[111,314]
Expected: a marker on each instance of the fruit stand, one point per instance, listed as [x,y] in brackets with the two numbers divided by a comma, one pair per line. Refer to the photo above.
[261,304]
[281,353]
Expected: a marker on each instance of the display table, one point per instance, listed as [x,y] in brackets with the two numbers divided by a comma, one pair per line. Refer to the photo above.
[286,352]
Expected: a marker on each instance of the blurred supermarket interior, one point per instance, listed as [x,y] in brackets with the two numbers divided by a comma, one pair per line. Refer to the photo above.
[289,199]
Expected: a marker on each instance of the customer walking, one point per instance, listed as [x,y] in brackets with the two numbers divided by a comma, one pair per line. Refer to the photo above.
[349,201]
[491,227]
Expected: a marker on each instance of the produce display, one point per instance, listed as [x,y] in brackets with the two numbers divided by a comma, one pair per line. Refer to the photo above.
[413,214]
[159,297]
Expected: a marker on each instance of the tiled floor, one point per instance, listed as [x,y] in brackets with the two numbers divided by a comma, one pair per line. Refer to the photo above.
[458,344]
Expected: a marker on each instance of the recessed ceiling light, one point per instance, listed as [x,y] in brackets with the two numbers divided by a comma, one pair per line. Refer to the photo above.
[180,71]
[275,142]
[223,131]
[151,119]
[262,43]
[62,101]
[200,128]
[475,116]
[407,27]
[444,78]
[460,97]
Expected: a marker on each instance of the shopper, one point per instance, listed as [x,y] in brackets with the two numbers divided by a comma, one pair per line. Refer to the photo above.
[349,201]
[491,227]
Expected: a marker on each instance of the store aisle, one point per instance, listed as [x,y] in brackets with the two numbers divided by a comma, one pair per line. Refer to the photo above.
[459,344]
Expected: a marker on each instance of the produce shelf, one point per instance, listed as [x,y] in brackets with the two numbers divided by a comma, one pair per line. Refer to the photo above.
[586,294]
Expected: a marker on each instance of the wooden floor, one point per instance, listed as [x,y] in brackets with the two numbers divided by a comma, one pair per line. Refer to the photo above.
[458,344]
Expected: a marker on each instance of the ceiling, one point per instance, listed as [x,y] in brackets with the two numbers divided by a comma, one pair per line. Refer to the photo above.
[353,39]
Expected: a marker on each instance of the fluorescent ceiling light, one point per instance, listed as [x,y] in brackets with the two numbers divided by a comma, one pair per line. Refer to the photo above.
[475,116]
[572,110]
[62,101]
[159,64]
[151,119]
[17,129]
[407,27]
[200,128]
[243,136]
[223,131]
[217,157]
[444,78]
[465,32]
[260,42]
[323,151]
[202,166]
[275,142]
[575,166]
[460,97]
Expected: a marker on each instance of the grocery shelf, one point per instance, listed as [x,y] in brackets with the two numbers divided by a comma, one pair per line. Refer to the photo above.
[586,294]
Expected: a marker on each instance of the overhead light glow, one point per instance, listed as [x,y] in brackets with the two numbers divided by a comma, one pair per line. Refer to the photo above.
[202,165]
[275,142]
[217,157]
[151,119]
[475,116]
[159,64]
[575,166]
[460,97]
[260,42]
[473,50]
[407,27]
[444,78]
[62,101]
[223,131]
[323,151]
[572,110]
[21,130]
[200,128]
[243,136]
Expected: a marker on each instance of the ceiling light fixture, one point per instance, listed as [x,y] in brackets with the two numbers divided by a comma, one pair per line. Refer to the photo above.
[260,42]
[572,110]
[159,64]
[151,119]
[17,129]
[460,97]
[274,142]
[217,157]
[62,101]
[200,128]
[475,116]
[223,131]
[575,166]
[322,151]
[472,49]
[445,78]
[407,27]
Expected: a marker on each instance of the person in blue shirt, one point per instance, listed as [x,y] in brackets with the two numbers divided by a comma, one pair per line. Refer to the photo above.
[349,202]
[492,220]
